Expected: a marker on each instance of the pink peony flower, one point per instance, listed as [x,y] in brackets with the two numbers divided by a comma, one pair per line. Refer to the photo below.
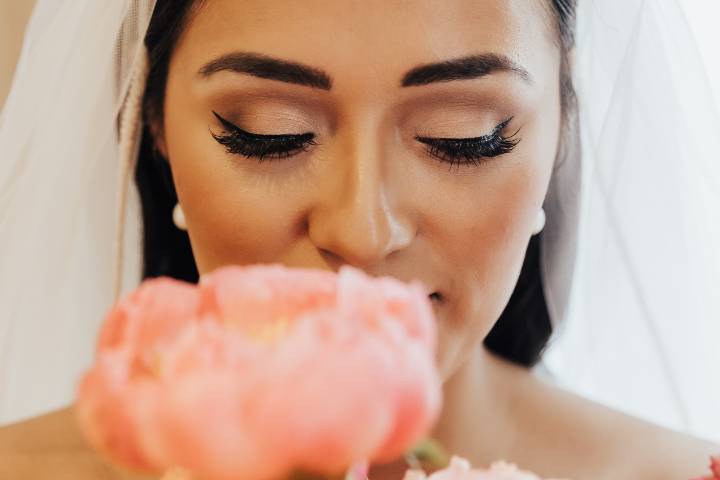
[262,370]
[459,469]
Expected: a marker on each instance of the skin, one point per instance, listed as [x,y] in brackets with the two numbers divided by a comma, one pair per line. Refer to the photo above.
[368,194]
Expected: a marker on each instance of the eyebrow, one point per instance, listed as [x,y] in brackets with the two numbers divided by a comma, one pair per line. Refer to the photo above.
[464,68]
[263,66]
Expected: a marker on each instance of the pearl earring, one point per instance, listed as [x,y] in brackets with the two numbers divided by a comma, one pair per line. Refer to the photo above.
[540,222]
[179,217]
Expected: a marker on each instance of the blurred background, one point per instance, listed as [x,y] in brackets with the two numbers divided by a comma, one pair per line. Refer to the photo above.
[14,15]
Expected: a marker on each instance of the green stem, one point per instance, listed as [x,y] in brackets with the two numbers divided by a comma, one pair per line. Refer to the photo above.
[428,452]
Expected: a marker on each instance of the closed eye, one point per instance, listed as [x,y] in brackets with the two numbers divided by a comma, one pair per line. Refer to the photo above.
[241,142]
[454,151]
[471,151]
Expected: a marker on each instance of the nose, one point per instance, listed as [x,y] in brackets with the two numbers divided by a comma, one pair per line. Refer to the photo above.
[357,218]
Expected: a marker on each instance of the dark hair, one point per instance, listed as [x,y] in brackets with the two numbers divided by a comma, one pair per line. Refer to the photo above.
[523,329]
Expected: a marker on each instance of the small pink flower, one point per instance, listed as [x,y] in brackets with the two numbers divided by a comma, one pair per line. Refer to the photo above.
[459,469]
[262,370]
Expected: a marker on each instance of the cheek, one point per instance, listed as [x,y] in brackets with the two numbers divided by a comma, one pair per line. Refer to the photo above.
[235,214]
[483,226]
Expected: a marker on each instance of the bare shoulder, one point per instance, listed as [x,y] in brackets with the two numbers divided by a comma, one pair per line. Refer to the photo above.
[630,447]
[51,447]
[659,452]
[51,432]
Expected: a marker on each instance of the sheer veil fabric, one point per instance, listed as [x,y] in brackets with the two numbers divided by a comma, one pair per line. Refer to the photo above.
[630,258]
[60,179]
[643,321]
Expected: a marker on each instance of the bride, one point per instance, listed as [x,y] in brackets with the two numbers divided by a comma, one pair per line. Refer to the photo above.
[430,140]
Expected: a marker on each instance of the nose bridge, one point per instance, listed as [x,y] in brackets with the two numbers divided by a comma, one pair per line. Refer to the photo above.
[356,219]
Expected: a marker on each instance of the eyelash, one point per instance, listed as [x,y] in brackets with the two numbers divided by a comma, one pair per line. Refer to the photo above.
[239,142]
[455,151]
[472,151]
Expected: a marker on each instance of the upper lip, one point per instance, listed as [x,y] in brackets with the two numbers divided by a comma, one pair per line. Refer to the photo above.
[430,291]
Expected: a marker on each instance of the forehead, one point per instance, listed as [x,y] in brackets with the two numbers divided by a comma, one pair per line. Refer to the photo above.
[364,42]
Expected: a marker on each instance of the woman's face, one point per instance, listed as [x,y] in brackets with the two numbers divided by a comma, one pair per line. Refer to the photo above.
[355,95]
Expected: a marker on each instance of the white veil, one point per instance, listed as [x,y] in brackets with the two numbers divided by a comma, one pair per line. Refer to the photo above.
[637,315]
[643,326]
[59,176]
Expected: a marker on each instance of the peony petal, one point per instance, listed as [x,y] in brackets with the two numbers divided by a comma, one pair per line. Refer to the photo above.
[262,370]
